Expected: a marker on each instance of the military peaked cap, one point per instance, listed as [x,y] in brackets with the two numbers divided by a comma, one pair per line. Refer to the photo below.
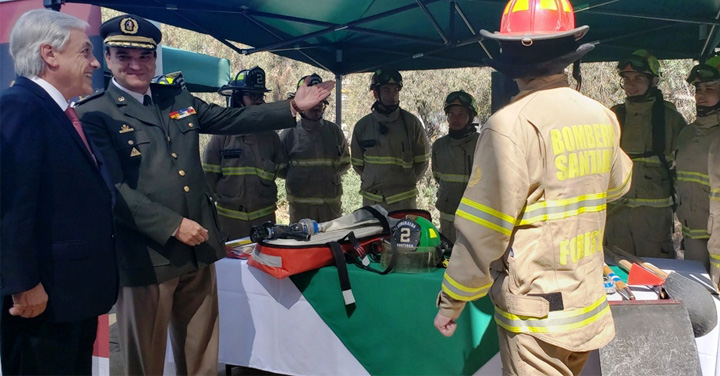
[130,31]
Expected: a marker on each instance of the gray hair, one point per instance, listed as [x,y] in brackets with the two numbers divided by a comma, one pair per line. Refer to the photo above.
[35,28]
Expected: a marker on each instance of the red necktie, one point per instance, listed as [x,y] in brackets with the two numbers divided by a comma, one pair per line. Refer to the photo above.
[72,115]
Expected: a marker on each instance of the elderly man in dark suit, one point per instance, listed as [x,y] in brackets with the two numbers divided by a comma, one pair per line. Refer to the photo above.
[167,227]
[57,259]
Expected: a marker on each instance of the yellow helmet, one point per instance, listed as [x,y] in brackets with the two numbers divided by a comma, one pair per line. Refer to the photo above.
[640,61]
[706,72]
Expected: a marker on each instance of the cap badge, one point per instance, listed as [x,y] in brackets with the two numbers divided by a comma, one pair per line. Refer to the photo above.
[129,26]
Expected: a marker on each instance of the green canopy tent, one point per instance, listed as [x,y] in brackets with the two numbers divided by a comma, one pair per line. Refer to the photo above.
[202,73]
[348,36]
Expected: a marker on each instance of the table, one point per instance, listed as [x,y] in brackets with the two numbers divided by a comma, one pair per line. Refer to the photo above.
[266,323]
[390,332]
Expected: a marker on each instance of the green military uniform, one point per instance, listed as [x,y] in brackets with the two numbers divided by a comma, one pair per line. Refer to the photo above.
[641,222]
[390,153]
[152,154]
[317,154]
[241,170]
[452,160]
[693,185]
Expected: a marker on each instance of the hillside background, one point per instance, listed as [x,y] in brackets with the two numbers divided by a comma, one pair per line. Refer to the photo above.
[423,95]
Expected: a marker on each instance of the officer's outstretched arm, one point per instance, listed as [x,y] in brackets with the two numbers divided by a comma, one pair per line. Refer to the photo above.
[214,119]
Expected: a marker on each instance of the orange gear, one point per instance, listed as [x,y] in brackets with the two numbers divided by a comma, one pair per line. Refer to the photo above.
[537,38]
[537,17]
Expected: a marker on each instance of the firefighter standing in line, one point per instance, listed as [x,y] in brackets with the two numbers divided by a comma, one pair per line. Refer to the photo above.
[530,224]
[317,155]
[452,157]
[641,222]
[389,147]
[691,160]
[241,169]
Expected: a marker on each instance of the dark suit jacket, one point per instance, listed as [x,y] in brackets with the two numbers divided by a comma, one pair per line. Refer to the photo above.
[153,156]
[57,224]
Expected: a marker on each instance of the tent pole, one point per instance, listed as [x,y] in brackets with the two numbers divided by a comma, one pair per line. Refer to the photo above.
[338,100]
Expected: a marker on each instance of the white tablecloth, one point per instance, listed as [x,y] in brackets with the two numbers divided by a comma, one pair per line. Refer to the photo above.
[265,323]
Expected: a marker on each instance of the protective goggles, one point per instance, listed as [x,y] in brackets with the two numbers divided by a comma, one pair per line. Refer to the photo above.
[703,73]
[386,77]
[637,63]
[314,80]
[464,99]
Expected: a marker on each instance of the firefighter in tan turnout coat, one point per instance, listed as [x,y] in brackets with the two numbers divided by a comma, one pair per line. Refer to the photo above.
[452,157]
[530,225]
[317,154]
[241,169]
[691,159]
[642,221]
[390,149]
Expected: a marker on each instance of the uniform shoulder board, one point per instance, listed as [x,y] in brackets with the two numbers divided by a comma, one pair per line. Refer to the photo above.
[88,98]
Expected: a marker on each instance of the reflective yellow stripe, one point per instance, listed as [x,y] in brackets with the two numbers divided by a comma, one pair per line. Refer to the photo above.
[421,158]
[615,193]
[236,171]
[369,159]
[653,160]
[452,178]
[651,202]
[520,5]
[390,199]
[464,293]
[548,4]
[695,233]
[715,194]
[249,216]
[694,177]
[357,162]
[312,162]
[558,209]
[447,217]
[313,200]
[486,216]
[555,322]
[211,168]
[715,260]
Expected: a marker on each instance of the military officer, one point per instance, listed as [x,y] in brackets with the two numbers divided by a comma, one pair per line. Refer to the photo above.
[241,169]
[318,155]
[167,228]
[530,224]
[389,148]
